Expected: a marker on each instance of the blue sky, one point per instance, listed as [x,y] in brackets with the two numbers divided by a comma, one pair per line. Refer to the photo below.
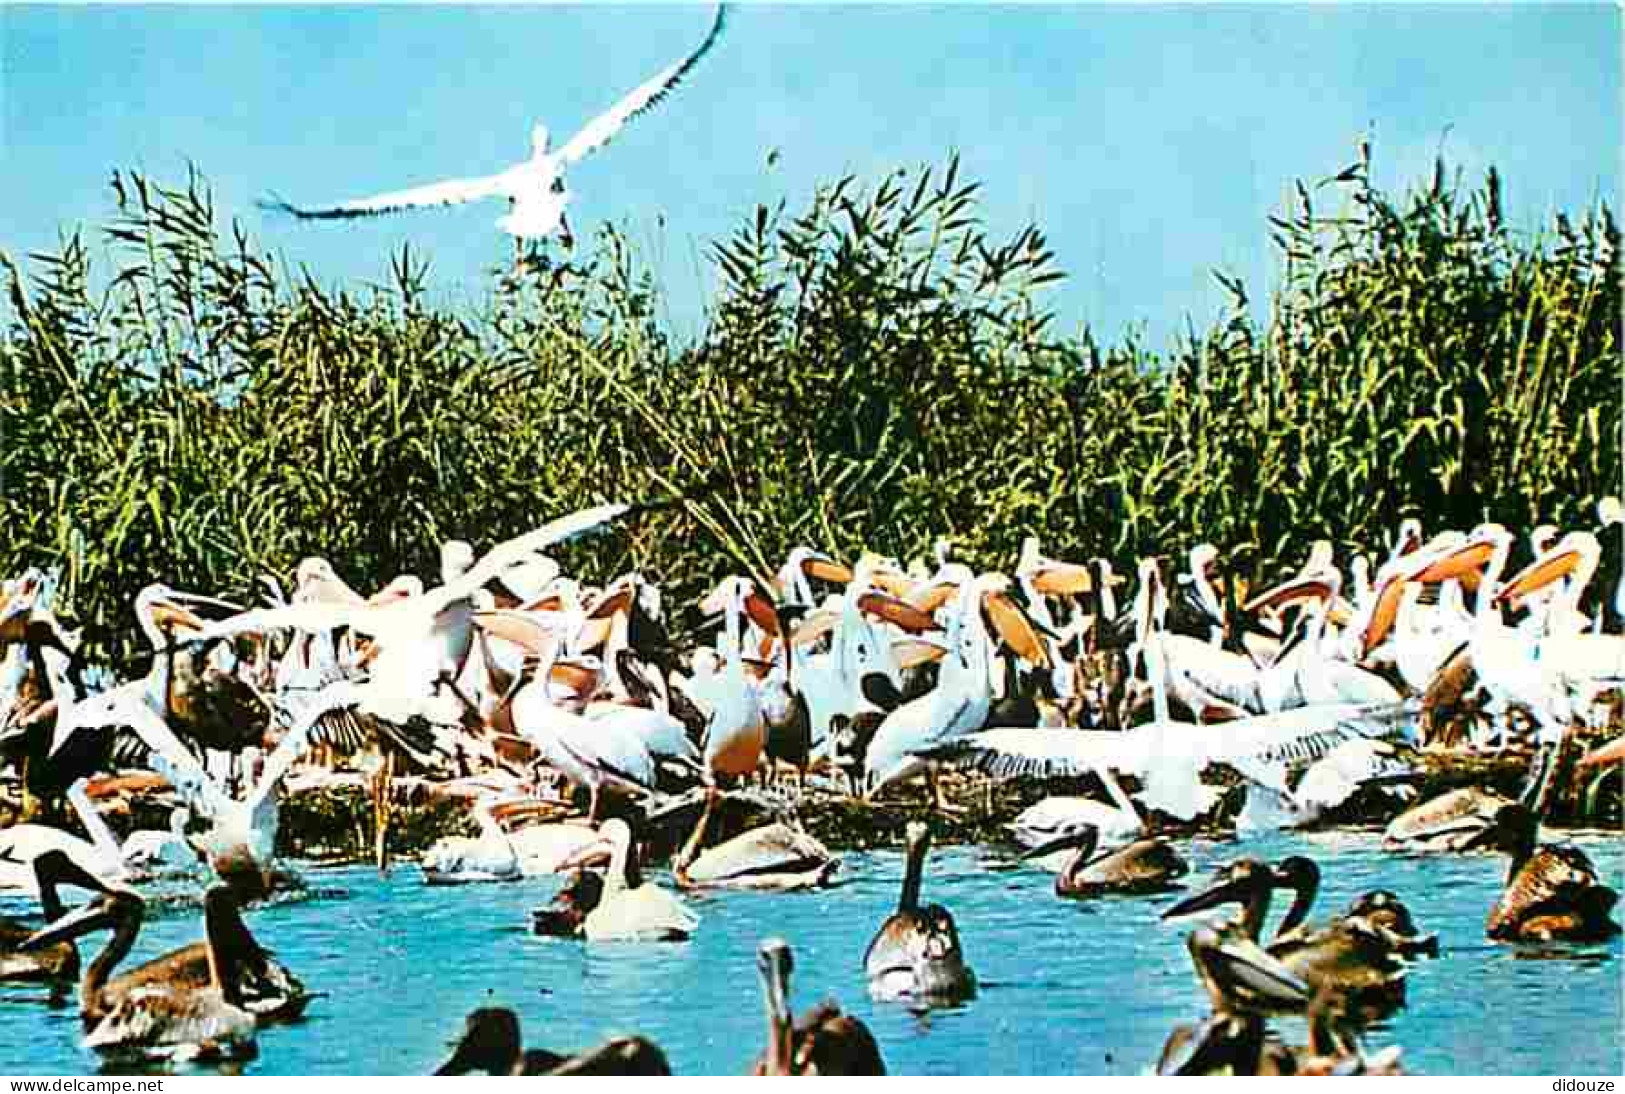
[1149,142]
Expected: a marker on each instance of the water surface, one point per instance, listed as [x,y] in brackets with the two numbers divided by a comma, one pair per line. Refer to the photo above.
[1067,987]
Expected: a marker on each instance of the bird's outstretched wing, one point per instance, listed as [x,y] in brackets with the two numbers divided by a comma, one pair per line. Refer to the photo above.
[433,195]
[598,132]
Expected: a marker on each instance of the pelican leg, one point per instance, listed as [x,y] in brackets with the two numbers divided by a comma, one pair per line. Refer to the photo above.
[592,804]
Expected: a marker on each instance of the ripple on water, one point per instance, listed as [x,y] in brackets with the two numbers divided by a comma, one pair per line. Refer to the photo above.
[1065,986]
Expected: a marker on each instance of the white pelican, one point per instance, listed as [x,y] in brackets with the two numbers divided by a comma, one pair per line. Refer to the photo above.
[631,910]
[535,187]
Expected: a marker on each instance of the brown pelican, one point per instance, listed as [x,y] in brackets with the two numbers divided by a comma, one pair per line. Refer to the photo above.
[630,909]
[566,914]
[1144,866]
[262,985]
[1553,893]
[54,964]
[916,952]
[774,856]
[491,1043]
[1454,821]
[1353,953]
[168,1015]
[824,1042]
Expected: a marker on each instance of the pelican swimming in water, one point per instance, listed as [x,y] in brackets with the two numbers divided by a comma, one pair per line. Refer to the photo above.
[565,916]
[534,188]
[773,856]
[1144,866]
[630,909]
[1553,892]
[916,953]
[1454,821]
[200,1002]
[824,1041]
[491,1043]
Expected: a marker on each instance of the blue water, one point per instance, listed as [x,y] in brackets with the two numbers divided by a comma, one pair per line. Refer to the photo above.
[1067,987]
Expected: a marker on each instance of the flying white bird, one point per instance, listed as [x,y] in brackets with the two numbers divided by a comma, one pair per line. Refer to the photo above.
[534,188]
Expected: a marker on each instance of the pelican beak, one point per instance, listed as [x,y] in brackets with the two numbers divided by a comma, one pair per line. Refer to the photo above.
[760,610]
[813,627]
[912,652]
[600,853]
[92,917]
[1539,574]
[1383,614]
[1016,629]
[524,628]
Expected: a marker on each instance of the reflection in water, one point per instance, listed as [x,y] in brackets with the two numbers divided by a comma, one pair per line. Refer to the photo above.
[1065,988]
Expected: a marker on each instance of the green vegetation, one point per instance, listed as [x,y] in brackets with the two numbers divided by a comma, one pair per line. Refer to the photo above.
[877,371]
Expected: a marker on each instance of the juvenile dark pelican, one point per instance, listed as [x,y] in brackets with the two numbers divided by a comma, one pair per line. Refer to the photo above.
[54,964]
[630,909]
[491,1043]
[262,986]
[566,915]
[916,953]
[167,1015]
[824,1042]
[1553,893]
[1237,1042]
[1144,866]
[1453,821]
[774,856]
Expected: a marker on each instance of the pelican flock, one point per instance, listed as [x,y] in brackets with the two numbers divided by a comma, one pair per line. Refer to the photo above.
[578,734]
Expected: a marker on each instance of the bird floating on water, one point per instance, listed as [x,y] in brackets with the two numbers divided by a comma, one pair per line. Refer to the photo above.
[535,187]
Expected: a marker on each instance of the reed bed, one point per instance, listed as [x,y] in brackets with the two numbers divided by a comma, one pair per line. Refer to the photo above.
[877,370]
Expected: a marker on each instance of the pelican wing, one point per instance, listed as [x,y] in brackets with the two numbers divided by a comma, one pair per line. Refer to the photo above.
[598,132]
[431,196]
